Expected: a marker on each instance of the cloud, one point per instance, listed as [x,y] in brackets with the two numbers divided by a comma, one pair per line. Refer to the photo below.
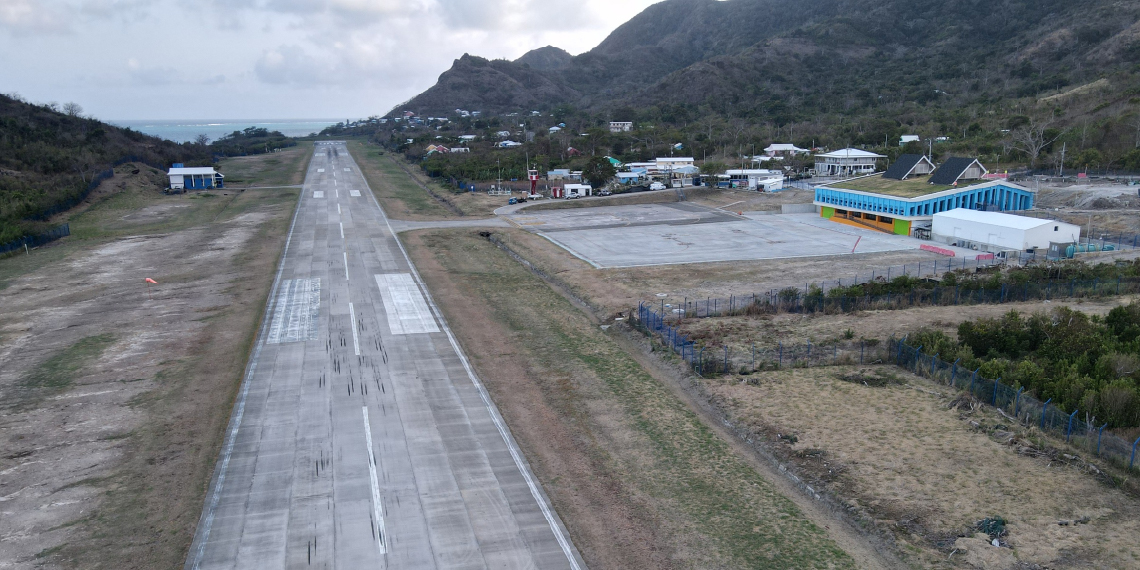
[152,76]
[24,17]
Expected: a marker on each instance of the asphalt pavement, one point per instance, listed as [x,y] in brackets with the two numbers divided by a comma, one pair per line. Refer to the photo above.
[361,437]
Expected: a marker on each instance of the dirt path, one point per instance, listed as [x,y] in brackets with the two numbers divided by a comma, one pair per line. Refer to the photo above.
[115,395]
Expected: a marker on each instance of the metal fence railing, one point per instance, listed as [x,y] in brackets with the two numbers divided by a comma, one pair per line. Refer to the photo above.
[36,241]
[712,361]
[1017,404]
[816,300]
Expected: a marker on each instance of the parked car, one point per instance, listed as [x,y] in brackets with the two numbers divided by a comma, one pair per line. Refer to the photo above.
[604,193]
[657,186]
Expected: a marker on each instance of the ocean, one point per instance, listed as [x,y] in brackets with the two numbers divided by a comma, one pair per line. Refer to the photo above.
[186,131]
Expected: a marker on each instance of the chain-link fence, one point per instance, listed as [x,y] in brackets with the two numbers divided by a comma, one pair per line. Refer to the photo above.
[1013,402]
[815,300]
[36,241]
[1016,404]
[712,360]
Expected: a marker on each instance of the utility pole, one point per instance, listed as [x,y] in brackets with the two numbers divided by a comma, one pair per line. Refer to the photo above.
[1062,172]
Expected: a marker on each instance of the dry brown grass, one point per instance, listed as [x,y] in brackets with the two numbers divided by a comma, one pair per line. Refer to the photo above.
[927,473]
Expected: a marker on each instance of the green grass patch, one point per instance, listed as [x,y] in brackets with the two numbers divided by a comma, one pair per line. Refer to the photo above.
[910,188]
[57,373]
[398,193]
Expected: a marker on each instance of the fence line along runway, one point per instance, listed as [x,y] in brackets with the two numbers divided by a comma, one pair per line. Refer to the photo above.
[361,438]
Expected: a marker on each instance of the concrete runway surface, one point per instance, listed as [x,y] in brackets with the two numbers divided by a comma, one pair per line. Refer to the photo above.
[361,437]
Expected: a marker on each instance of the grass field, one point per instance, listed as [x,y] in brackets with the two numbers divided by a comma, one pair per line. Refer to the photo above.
[117,395]
[910,188]
[926,471]
[639,479]
[284,168]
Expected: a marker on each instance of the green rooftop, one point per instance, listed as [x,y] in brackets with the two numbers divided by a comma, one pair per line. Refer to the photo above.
[909,188]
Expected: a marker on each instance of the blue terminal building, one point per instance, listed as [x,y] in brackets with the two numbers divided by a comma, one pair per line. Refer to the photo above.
[912,190]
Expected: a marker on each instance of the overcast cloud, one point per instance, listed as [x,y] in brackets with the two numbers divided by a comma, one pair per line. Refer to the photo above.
[271,59]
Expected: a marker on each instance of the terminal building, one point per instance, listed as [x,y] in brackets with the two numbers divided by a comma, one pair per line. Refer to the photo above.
[905,199]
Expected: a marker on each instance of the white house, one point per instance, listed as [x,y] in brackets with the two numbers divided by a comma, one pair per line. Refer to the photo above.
[459,150]
[621,126]
[995,231]
[509,144]
[670,164]
[756,179]
[555,129]
[781,149]
[503,134]
[846,162]
[468,138]
[182,178]
[578,190]
[909,139]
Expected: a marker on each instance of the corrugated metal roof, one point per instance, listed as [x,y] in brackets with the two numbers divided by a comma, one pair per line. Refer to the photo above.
[996,219]
[191,171]
[902,167]
[951,170]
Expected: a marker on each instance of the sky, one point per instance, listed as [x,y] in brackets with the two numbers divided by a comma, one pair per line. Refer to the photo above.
[271,59]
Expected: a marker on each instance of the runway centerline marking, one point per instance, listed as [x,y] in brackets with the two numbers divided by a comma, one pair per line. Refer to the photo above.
[346,266]
[377,506]
[355,341]
[341,227]
[338,208]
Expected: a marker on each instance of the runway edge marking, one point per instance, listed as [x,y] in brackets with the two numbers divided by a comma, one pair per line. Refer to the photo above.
[202,535]
[512,447]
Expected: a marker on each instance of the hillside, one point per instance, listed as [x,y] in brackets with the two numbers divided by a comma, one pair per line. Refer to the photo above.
[50,158]
[839,72]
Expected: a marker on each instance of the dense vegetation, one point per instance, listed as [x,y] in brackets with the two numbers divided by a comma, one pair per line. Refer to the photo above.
[1081,362]
[50,156]
[1011,81]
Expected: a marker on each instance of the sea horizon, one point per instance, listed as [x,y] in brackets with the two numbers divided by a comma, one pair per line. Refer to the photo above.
[186,130]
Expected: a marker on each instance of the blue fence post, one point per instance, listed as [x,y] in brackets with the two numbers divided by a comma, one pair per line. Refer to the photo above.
[1099,434]
[1133,459]
[726,359]
[973,379]
[1044,409]
[996,384]
[1069,429]
[809,349]
[933,360]
[862,349]
[1017,402]
[917,358]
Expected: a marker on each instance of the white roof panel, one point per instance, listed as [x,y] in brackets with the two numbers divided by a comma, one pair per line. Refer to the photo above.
[191,171]
[996,219]
[851,153]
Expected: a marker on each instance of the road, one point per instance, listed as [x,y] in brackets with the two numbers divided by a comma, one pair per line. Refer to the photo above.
[361,438]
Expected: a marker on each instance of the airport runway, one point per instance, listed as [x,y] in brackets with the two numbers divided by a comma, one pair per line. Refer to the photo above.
[361,437]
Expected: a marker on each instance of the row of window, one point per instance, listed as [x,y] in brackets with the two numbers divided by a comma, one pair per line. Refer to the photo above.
[1004,198]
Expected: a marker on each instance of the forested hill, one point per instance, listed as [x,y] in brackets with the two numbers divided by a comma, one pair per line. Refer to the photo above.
[793,61]
[50,156]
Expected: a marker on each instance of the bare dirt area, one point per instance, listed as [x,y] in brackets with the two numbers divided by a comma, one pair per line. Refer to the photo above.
[924,466]
[1109,210]
[638,478]
[115,395]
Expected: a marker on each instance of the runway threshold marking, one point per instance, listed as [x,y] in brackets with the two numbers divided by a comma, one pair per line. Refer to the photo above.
[377,506]
[355,340]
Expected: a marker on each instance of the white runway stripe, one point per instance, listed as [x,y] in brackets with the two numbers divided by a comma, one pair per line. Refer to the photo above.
[346,266]
[298,308]
[355,340]
[377,506]
[404,305]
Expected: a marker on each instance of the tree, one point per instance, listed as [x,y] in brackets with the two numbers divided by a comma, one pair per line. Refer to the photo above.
[1033,138]
[598,171]
[202,139]
[72,109]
